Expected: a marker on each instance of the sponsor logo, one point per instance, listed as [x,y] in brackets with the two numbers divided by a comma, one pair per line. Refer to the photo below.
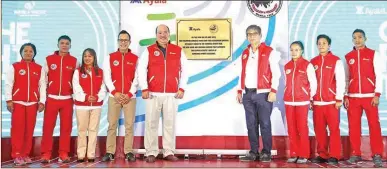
[29,10]
[149,2]
[362,10]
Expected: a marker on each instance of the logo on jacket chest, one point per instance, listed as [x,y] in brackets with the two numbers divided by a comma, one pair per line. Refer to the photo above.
[116,63]
[156,53]
[53,66]
[315,67]
[84,75]
[22,72]
[288,71]
[351,61]
[69,67]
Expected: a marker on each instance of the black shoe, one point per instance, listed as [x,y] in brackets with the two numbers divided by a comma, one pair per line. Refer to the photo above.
[130,157]
[250,157]
[333,161]
[377,159]
[319,159]
[265,157]
[108,157]
[354,159]
[90,160]
[80,160]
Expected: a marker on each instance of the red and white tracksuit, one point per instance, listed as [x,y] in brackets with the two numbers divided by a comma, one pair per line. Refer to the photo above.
[120,73]
[25,86]
[162,72]
[364,82]
[330,89]
[300,87]
[59,71]
[268,73]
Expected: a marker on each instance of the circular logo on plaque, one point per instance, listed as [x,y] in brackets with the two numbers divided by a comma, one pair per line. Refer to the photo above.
[264,9]
[214,28]
[22,72]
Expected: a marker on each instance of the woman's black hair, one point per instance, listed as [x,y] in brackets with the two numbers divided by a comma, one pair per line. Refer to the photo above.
[299,43]
[95,62]
[28,44]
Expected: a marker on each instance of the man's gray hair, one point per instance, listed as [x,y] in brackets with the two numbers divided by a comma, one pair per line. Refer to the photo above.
[164,25]
[255,28]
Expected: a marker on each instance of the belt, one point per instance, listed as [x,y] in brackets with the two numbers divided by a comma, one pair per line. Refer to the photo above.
[250,89]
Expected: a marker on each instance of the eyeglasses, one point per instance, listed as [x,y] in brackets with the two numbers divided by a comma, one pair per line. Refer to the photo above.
[123,40]
[255,34]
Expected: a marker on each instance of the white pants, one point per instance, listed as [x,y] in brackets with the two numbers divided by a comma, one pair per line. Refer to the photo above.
[88,123]
[168,105]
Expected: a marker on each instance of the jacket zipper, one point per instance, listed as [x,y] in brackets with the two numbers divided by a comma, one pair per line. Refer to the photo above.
[60,81]
[294,70]
[28,88]
[257,66]
[358,64]
[165,66]
[321,72]
[122,77]
[91,84]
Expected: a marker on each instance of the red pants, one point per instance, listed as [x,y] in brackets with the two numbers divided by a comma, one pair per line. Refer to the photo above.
[65,109]
[22,129]
[297,119]
[324,116]
[355,111]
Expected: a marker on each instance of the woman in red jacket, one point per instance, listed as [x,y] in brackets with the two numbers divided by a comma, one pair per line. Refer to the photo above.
[25,92]
[89,93]
[327,102]
[300,87]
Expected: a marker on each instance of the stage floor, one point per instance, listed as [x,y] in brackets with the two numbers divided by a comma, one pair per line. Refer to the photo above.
[186,163]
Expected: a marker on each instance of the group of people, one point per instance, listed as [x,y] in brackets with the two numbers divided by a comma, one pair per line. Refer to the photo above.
[322,84]
[61,83]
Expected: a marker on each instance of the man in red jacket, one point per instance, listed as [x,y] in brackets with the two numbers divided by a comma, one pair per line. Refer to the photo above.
[119,77]
[162,77]
[364,86]
[259,80]
[59,69]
